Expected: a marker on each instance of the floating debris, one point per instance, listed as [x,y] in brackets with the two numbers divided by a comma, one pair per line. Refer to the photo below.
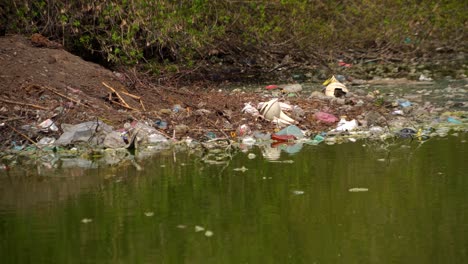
[344,125]
[358,190]
[406,133]
[250,141]
[454,121]
[251,156]
[199,228]
[298,192]
[242,169]
[209,233]
[282,161]
[86,220]
[215,162]
[149,214]
[181,226]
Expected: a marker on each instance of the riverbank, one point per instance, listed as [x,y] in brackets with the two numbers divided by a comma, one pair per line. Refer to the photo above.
[45,90]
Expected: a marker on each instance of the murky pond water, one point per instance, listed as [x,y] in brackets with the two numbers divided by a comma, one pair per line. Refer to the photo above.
[363,202]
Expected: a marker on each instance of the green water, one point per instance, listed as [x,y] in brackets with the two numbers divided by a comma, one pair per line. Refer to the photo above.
[415,209]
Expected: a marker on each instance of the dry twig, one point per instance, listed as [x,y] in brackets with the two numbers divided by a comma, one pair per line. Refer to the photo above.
[23,135]
[24,104]
[62,95]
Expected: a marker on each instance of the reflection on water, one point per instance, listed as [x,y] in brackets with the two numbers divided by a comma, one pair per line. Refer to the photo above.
[179,209]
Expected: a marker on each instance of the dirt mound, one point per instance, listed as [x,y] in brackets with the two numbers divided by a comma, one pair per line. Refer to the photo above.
[42,78]
[40,82]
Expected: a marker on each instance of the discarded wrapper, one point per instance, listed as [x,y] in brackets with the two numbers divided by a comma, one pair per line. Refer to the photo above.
[271,110]
[344,125]
[335,88]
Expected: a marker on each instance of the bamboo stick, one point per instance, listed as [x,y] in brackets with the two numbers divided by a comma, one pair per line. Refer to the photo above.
[136,97]
[142,105]
[128,107]
[131,95]
[118,95]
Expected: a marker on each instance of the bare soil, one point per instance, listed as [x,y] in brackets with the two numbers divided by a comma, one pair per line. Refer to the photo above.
[39,80]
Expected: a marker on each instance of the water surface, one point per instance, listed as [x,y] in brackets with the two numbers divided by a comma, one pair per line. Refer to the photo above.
[415,209]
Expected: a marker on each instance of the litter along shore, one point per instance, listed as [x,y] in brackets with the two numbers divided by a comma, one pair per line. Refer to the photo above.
[56,106]
[275,120]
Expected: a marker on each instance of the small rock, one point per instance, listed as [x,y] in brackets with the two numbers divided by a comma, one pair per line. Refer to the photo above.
[297,112]
[339,101]
[360,92]
[202,112]
[181,129]
[424,78]
[165,112]
[372,118]
[316,94]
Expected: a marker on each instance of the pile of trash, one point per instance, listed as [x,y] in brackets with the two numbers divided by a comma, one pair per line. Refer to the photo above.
[59,109]
[272,123]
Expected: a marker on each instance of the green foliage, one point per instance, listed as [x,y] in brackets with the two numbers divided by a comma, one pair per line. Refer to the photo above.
[182,32]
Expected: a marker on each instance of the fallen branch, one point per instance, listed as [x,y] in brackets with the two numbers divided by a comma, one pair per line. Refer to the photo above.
[24,104]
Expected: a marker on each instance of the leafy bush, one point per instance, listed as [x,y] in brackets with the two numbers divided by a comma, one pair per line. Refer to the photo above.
[183,32]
